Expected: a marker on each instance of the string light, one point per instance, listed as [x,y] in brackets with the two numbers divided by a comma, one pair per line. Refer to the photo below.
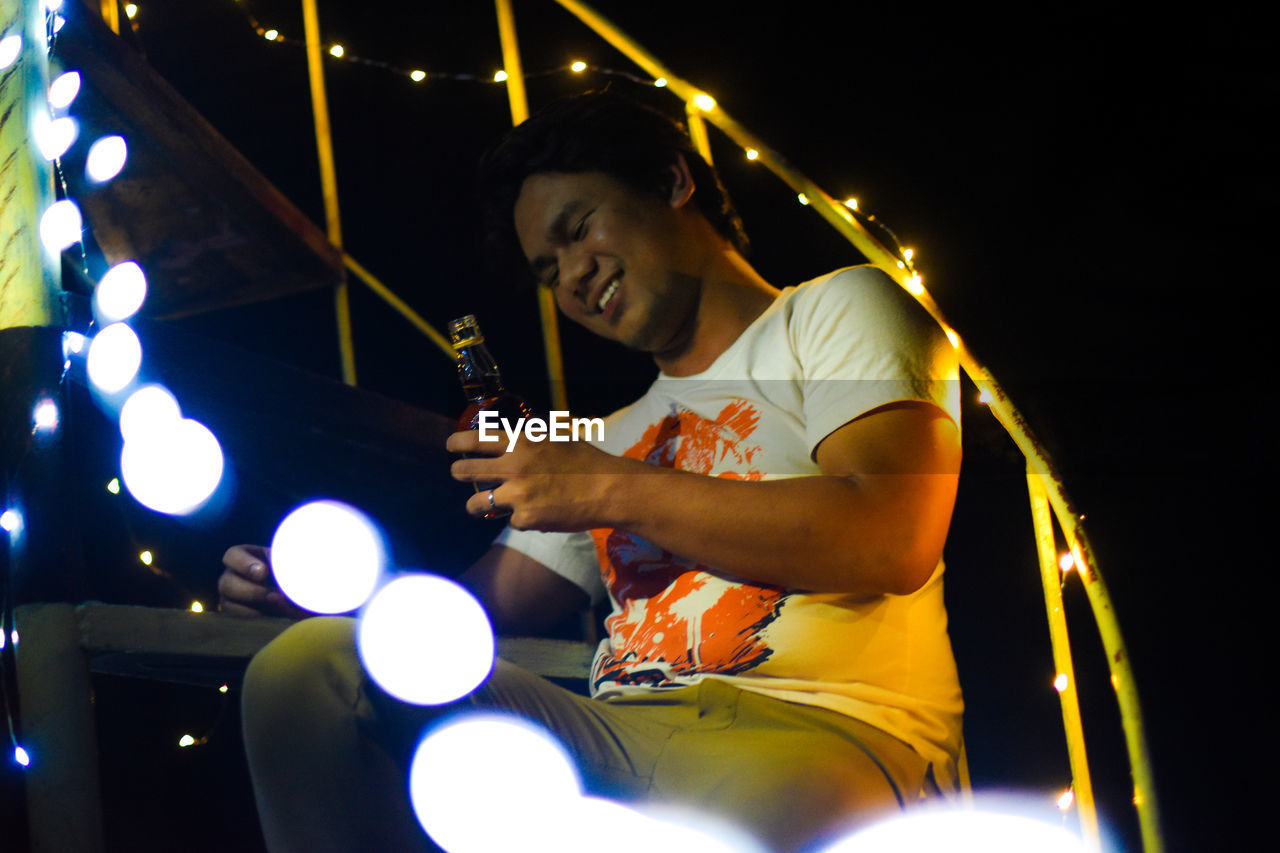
[660,83]
[63,90]
[802,198]
[499,76]
[149,412]
[417,75]
[1068,797]
[106,158]
[121,292]
[752,153]
[952,336]
[44,417]
[1066,562]
[10,520]
[271,35]
[58,23]
[130,10]
[60,226]
[145,557]
[10,50]
[908,254]
[186,740]
[1060,683]
[223,689]
[915,285]
[337,51]
[20,755]
[114,486]
[327,557]
[851,203]
[175,470]
[704,102]
[54,137]
[72,343]
[984,397]
[114,358]
[197,607]
[578,67]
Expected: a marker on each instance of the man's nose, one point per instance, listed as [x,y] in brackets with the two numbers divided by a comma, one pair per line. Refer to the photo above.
[577,269]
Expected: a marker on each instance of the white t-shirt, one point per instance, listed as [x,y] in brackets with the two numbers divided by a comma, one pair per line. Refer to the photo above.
[822,354]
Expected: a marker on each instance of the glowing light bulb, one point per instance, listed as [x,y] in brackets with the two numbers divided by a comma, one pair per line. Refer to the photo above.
[1068,797]
[1066,562]
[173,471]
[960,829]
[151,411]
[704,102]
[337,50]
[915,285]
[63,90]
[20,755]
[121,292]
[106,158]
[802,198]
[114,486]
[52,5]
[851,203]
[72,343]
[271,35]
[10,520]
[953,337]
[60,226]
[578,66]
[1115,682]
[130,10]
[197,607]
[417,76]
[660,82]
[327,557]
[984,397]
[54,137]
[186,740]
[499,76]
[901,265]
[114,358]
[146,558]
[58,23]
[223,689]
[461,769]
[10,50]
[1060,683]
[908,253]
[424,639]
[44,417]
[752,153]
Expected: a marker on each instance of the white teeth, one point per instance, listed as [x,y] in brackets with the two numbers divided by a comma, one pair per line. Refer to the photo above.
[607,295]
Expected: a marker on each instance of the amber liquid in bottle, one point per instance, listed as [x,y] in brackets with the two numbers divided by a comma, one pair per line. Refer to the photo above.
[482,384]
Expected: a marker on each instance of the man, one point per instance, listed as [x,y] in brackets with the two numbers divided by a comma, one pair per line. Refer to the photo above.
[768,521]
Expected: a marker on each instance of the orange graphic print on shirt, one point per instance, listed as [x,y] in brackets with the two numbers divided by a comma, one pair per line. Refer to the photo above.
[672,616]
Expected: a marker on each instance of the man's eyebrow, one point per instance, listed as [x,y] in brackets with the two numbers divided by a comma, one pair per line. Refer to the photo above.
[555,233]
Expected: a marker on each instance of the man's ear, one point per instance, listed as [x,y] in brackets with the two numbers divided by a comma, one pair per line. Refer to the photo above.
[681,183]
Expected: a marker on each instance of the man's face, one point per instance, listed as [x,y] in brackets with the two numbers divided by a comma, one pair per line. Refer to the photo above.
[614,257]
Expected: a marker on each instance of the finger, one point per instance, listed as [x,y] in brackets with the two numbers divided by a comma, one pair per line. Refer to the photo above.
[469,442]
[236,589]
[249,561]
[487,504]
[476,471]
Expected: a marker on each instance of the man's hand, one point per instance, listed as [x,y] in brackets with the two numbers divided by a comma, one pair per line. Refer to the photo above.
[246,587]
[554,486]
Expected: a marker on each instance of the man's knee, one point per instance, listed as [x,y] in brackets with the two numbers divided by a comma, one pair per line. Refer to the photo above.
[312,663]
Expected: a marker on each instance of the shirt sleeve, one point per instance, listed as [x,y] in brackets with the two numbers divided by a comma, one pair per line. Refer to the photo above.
[572,556]
[864,342]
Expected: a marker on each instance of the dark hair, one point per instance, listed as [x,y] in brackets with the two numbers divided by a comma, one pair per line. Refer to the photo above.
[599,131]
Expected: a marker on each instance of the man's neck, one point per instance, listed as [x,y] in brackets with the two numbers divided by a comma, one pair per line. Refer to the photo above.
[732,296]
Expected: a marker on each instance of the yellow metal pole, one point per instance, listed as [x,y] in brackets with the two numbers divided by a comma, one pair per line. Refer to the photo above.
[328,182]
[30,278]
[1050,579]
[698,130]
[111,15]
[520,112]
[401,307]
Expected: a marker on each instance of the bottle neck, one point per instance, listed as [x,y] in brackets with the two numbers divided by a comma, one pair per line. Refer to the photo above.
[478,372]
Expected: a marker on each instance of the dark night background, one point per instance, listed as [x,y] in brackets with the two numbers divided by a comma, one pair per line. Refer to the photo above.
[1081,187]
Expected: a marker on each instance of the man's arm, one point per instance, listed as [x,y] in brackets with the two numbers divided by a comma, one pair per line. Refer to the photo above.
[874,522]
[521,595]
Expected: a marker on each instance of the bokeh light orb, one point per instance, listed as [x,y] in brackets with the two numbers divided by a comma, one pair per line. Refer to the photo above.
[63,90]
[10,49]
[120,292]
[327,557]
[961,831]
[149,411]
[681,830]
[425,640]
[174,470]
[492,783]
[60,226]
[114,358]
[54,137]
[106,158]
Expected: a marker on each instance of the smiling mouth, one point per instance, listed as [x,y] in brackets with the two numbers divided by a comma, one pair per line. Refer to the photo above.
[605,298]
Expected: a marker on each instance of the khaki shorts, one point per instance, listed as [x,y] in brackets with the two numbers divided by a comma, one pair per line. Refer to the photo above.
[327,750]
